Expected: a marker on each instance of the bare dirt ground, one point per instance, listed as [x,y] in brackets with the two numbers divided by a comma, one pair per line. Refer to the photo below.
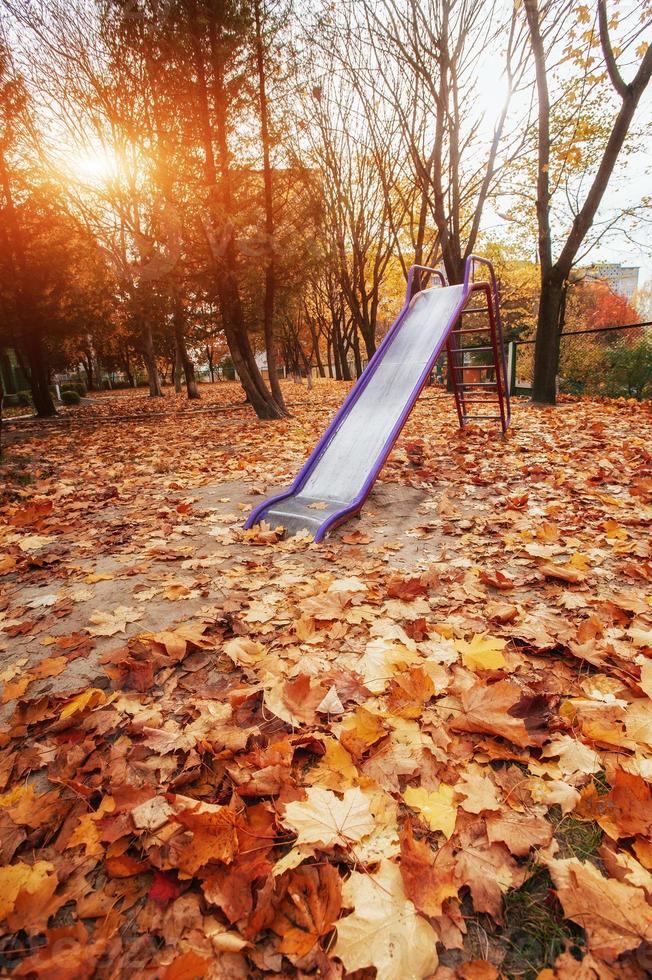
[459,680]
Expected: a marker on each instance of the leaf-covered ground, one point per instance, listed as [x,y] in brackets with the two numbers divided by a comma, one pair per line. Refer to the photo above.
[422,748]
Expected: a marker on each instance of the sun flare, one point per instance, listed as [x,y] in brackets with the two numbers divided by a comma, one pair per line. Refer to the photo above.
[95,165]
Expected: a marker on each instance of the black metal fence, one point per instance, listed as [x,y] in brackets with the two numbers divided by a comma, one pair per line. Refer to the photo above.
[611,361]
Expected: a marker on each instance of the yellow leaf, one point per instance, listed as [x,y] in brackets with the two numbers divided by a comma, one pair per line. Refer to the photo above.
[85,701]
[336,768]
[99,577]
[384,929]
[20,881]
[436,808]
[614,531]
[580,561]
[484,652]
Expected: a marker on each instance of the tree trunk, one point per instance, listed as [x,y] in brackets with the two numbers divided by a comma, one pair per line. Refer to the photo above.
[177,368]
[183,361]
[546,347]
[87,361]
[270,271]
[155,390]
[329,355]
[2,398]
[356,352]
[211,365]
[369,337]
[38,375]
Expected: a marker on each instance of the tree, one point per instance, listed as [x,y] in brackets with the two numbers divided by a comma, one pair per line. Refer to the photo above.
[427,59]
[270,268]
[543,26]
[25,268]
[216,35]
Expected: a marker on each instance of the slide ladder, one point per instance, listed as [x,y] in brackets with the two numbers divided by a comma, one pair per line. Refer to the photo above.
[480,382]
[337,477]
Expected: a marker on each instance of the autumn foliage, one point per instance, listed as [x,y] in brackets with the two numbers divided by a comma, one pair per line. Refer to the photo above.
[229,754]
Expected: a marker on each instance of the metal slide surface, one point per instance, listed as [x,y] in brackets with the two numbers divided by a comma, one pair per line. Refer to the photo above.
[348,458]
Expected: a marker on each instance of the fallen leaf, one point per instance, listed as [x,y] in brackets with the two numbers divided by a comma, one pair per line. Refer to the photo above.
[615,916]
[325,819]
[311,904]
[437,808]
[484,652]
[384,930]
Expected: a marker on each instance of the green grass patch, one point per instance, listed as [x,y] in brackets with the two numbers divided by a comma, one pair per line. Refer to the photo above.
[578,838]
[535,931]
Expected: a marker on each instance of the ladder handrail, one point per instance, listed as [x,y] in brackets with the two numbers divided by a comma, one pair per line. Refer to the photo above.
[469,279]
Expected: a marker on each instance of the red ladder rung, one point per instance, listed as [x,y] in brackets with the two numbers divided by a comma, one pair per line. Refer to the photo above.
[463,350]
[478,384]
[475,418]
[473,367]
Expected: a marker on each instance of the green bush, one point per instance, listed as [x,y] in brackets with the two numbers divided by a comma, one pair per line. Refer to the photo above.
[70,397]
[228,369]
[78,386]
[11,401]
[630,371]
[581,368]
[24,399]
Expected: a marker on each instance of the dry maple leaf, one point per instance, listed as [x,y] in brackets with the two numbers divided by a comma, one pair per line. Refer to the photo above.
[110,623]
[519,831]
[566,573]
[615,916]
[409,691]
[336,769]
[479,791]
[429,877]
[502,709]
[82,703]
[312,901]
[302,700]
[384,930]
[489,870]
[483,652]
[573,755]
[360,731]
[244,652]
[406,588]
[263,534]
[436,807]
[626,810]
[27,895]
[497,579]
[66,952]
[325,819]
[213,838]
[188,966]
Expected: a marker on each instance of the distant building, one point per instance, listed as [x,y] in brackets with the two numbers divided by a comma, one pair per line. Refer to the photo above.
[621,279]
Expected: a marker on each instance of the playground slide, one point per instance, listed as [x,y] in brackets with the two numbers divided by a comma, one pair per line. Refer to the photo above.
[341,470]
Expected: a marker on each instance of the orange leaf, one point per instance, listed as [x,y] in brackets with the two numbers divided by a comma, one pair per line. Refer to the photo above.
[312,900]
[361,731]
[429,877]
[188,966]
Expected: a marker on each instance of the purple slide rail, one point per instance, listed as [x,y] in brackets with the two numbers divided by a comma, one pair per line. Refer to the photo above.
[344,510]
